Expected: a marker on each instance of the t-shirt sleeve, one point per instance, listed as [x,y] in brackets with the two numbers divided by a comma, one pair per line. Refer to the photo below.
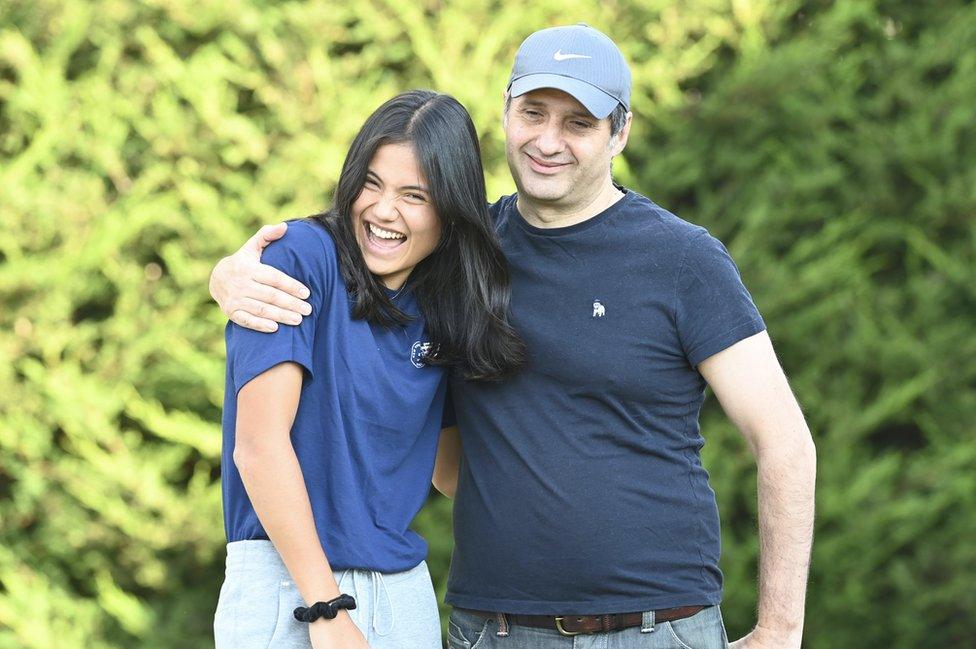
[713,309]
[302,255]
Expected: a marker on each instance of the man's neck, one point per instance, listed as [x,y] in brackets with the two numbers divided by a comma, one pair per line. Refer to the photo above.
[553,215]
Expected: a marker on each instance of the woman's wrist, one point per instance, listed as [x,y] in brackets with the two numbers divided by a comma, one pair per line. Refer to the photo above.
[328,609]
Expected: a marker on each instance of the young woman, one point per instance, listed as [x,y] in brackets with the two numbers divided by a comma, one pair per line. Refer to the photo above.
[331,426]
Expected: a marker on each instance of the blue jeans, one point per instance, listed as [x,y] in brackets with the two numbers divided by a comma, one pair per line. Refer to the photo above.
[704,630]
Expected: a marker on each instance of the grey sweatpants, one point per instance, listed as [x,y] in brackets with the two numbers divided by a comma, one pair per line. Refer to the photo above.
[258,597]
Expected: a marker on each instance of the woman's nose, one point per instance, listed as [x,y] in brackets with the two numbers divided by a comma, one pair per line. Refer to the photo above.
[385,208]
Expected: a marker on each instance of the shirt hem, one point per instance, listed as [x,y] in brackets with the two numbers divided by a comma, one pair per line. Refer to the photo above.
[722,342]
[253,549]
[255,368]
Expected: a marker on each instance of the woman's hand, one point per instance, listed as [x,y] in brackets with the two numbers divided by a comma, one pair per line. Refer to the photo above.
[340,633]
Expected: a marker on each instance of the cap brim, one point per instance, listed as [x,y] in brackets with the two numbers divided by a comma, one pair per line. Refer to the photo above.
[599,103]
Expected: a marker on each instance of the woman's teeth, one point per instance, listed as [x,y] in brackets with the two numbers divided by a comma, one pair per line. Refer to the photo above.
[384,234]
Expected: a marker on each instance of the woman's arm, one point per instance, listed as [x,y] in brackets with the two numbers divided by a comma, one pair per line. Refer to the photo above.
[272,476]
[445,477]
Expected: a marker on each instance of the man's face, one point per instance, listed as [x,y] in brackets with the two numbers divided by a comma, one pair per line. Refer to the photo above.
[559,154]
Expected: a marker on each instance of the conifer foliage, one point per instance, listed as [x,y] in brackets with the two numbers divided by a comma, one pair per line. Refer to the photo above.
[831,146]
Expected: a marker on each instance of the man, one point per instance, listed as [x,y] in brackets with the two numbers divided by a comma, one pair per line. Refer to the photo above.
[582,510]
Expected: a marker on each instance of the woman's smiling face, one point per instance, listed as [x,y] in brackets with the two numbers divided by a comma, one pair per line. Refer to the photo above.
[393,217]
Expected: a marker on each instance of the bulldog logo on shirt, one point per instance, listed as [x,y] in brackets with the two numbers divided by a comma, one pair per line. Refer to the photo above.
[419,352]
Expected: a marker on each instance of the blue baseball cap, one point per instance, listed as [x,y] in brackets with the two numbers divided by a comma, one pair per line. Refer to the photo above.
[578,60]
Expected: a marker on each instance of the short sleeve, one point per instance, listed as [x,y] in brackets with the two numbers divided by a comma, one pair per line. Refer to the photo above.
[713,309]
[303,255]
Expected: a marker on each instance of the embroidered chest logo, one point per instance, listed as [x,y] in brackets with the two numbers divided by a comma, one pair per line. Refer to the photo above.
[598,309]
[419,352]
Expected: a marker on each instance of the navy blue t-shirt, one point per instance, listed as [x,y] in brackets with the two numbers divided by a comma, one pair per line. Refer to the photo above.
[368,418]
[581,490]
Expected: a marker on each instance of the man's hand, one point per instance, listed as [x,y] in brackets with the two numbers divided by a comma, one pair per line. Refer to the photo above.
[340,633]
[760,638]
[255,295]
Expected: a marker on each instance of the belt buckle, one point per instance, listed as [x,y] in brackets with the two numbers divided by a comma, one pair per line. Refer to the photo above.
[562,631]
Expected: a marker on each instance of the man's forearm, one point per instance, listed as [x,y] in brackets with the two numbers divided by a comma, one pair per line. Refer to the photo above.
[787,477]
[446,464]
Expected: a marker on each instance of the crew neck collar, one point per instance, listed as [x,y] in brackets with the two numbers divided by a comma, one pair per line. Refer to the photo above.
[594,220]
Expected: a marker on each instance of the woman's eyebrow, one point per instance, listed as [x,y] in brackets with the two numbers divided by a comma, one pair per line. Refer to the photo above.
[373,174]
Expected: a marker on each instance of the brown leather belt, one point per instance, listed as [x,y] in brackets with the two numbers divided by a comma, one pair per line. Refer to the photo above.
[580,624]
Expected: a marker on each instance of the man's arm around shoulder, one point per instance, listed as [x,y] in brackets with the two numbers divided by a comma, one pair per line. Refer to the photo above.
[754,392]
[255,295]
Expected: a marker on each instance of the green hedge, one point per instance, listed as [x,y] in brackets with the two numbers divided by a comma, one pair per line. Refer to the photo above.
[830,145]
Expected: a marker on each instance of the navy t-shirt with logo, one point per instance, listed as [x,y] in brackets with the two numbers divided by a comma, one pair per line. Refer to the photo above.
[581,490]
[368,419]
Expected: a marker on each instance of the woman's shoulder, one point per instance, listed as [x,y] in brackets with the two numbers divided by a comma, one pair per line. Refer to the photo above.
[307,248]
[308,234]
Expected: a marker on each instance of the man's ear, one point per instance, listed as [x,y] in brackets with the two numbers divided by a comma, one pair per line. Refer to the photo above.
[620,139]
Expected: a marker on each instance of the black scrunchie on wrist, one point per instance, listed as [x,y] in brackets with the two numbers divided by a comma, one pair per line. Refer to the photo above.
[327,610]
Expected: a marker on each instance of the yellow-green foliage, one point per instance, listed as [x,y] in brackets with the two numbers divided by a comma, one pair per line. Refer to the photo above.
[830,146]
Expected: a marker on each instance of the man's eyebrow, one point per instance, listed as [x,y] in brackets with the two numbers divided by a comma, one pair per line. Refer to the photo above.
[575,113]
[535,103]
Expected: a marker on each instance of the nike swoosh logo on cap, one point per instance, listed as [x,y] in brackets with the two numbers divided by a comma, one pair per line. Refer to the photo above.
[559,56]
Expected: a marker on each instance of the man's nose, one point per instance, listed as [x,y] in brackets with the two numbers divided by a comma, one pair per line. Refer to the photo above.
[550,140]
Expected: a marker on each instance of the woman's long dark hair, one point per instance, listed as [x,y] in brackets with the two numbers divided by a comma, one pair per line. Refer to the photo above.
[462,286]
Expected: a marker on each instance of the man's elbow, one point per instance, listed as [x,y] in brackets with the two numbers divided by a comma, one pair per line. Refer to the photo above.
[805,463]
[797,450]
[805,449]
[810,448]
